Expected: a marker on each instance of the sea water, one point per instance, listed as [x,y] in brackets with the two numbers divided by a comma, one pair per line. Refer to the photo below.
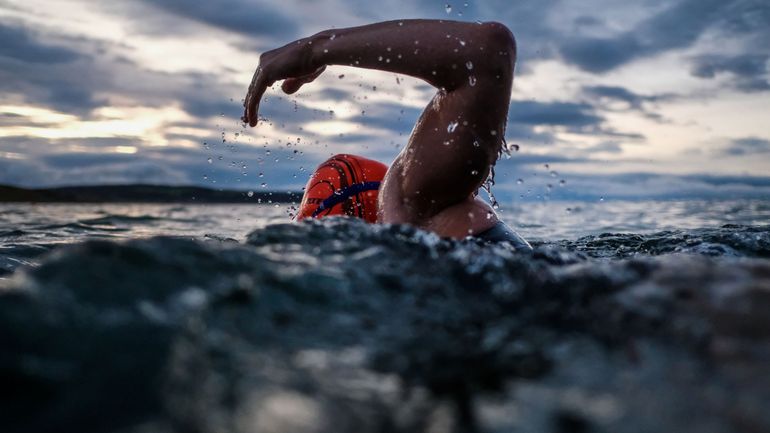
[627,317]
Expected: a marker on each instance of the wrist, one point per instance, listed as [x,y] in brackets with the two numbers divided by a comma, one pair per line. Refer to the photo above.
[318,52]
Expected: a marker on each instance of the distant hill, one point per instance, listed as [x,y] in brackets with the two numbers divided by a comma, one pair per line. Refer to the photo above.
[141,194]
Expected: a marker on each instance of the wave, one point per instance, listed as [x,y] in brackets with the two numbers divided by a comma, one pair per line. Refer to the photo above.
[117,219]
[336,325]
[728,240]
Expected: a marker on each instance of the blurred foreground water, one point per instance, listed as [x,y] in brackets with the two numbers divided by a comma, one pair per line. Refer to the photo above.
[627,317]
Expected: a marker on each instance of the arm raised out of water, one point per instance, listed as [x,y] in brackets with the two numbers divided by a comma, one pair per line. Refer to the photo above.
[433,182]
[446,54]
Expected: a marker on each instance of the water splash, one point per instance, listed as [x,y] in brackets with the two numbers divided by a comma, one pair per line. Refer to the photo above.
[487,186]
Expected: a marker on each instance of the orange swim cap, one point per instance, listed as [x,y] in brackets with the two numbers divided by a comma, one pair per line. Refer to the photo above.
[343,185]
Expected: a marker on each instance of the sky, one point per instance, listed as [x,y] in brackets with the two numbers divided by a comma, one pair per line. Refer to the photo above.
[611,99]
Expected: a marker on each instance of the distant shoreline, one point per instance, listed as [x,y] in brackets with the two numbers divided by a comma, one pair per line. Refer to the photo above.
[141,193]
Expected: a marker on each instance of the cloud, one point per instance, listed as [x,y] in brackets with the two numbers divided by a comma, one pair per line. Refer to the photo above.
[676,27]
[608,97]
[630,186]
[599,54]
[239,16]
[541,121]
[748,70]
[605,147]
[20,45]
[747,146]
[65,81]
[397,118]
[571,115]
[617,93]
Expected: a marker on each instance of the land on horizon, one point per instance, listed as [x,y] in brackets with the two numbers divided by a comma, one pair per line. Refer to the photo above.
[142,193]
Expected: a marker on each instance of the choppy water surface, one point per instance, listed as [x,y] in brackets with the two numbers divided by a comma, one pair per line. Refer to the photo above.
[627,317]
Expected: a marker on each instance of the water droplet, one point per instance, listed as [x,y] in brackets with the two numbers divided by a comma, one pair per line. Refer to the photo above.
[554,173]
[332,37]
[515,147]
[476,143]
[474,172]
[601,198]
[433,72]
[263,185]
[493,132]
[209,160]
[451,127]
[562,182]
[519,181]
[472,80]
[250,193]
[448,8]
[379,58]
[462,42]
[469,65]
[546,166]
[261,175]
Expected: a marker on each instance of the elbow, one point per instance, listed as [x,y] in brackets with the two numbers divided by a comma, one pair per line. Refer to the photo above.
[499,38]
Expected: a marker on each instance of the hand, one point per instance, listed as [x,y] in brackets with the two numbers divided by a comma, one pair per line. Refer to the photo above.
[292,63]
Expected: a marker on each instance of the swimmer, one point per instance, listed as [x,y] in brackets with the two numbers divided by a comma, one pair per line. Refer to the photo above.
[433,183]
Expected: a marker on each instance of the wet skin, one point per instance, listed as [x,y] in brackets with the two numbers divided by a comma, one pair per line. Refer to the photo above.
[433,182]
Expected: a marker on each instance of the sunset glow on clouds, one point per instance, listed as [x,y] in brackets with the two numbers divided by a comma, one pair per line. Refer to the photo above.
[656,97]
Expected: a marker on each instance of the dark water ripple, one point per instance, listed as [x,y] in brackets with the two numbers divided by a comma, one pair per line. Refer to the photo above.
[340,326]
[729,240]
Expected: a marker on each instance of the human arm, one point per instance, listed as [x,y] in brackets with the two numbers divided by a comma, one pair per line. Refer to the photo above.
[447,54]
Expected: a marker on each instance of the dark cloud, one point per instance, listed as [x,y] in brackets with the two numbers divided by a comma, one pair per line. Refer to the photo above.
[92,78]
[749,71]
[676,27]
[607,97]
[239,16]
[601,55]
[634,100]
[82,160]
[61,78]
[747,146]
[627,186]
[572,115]
[19,44]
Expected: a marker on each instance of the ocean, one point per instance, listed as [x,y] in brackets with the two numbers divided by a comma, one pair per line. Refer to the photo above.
[627,317]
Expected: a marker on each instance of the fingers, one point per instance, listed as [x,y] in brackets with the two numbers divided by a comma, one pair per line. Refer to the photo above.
[291,85]
[260,83]
[257,88]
